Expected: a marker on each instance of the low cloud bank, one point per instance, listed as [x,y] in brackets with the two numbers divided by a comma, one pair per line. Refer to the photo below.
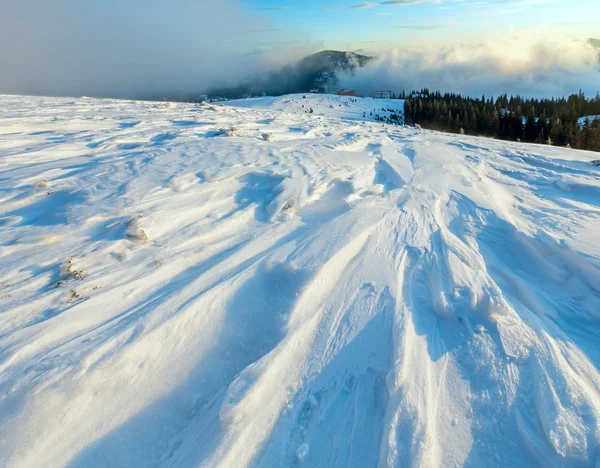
[133,48]
[538,67]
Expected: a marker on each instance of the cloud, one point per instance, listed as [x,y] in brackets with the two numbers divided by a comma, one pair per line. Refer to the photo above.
[362,6]
[531,66]
[133,48]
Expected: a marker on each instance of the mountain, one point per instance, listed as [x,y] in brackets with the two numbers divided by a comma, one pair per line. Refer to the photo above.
[329,62]
[315,72]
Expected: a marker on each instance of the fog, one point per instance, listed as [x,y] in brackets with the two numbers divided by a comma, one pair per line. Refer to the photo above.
[537,66]
[133,48]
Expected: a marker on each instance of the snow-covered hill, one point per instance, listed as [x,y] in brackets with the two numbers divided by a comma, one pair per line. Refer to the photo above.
[327,105]
[255,285]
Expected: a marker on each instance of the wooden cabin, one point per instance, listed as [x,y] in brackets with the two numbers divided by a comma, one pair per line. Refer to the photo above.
[346,92]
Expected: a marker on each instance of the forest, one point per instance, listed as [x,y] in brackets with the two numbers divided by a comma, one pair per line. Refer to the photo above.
[572,121]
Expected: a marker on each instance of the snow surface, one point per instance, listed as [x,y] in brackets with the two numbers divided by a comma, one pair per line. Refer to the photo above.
[253,285]
[341,107]
[591,118]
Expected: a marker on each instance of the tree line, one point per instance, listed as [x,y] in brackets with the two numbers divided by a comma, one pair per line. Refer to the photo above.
[559,122]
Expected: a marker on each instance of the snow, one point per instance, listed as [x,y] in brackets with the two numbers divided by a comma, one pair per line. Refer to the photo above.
[327,105]
[302,452]
[591,118]
[178,290]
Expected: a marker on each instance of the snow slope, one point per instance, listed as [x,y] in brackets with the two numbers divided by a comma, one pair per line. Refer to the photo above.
[252,285]
[327,105]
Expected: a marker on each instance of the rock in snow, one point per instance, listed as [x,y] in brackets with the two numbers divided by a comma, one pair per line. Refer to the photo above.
[384,295]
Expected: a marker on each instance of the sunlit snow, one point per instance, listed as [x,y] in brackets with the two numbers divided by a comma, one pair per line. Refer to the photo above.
[256,284]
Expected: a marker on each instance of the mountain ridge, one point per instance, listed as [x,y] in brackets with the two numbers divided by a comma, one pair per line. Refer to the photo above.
[317,72]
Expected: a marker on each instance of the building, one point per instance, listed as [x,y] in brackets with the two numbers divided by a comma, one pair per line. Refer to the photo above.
[346,92]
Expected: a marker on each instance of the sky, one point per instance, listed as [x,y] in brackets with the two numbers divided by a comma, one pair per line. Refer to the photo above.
[376,26]
[157,48]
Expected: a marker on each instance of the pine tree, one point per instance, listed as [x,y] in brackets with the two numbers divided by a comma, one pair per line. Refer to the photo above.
[503,117]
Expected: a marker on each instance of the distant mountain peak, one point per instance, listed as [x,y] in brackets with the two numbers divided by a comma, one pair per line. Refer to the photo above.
[315,72]
[336,60]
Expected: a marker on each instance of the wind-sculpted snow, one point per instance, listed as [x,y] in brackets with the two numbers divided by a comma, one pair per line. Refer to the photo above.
[258,285]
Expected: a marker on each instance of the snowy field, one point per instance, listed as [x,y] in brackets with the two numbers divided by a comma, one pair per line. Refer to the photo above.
[254,285]
[341,107]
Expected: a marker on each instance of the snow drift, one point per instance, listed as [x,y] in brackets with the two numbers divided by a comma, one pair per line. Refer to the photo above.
[342,293]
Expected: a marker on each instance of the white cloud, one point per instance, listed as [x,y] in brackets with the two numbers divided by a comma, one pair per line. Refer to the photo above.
[534,66]
[362,6]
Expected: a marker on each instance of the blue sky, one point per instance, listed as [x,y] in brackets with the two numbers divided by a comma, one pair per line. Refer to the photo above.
[371,25]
